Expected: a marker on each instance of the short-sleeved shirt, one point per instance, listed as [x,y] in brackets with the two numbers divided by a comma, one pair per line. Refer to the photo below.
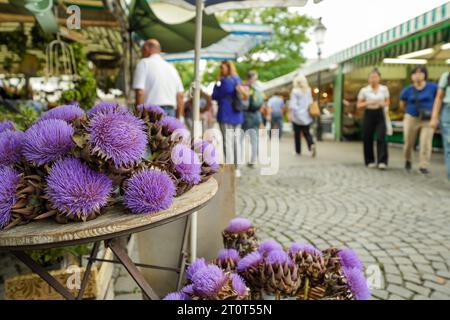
[299,105]
[369,94]
[444,85]
[159,80]
[421,99]
[276,104]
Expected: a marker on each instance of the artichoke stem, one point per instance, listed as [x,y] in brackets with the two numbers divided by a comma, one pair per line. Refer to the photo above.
[277,295]
[306,292]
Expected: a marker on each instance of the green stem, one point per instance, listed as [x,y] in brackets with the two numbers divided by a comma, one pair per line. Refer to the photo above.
[305,293]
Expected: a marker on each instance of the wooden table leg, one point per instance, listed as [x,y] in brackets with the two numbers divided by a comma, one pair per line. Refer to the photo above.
[41,272]
[87,272]
[125,260]
[183,253]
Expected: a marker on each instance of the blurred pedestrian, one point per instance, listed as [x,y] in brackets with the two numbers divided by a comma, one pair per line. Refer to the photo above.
[157,82]
[299,104]
[418,99]
[442,107]
[206,115]
[225,92]
[277,106]
[374,99]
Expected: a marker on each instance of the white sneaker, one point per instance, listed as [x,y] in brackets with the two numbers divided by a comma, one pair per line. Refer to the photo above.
[372,165]
[382,166]
[313,151]
[238,173]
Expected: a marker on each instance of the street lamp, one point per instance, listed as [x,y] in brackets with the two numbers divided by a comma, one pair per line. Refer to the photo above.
[319,36]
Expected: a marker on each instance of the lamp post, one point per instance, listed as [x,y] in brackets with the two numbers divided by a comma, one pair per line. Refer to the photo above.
[319,36]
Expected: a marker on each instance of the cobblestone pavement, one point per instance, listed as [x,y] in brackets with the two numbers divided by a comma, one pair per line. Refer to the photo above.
[394,220]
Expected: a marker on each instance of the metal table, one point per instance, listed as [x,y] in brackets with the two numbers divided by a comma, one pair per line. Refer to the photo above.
[107,228]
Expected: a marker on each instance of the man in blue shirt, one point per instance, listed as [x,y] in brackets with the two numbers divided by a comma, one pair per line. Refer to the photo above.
[417,101]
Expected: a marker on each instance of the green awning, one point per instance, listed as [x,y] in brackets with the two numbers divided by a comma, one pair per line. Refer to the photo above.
[176,37]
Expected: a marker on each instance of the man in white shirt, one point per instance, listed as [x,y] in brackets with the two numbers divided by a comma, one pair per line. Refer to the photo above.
[157,82]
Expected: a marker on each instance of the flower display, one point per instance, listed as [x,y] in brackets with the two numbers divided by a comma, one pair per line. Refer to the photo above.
[69,113]
[186,163]
[11,143]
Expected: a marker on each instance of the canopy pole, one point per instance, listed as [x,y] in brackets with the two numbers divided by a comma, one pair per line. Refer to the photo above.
[197,132]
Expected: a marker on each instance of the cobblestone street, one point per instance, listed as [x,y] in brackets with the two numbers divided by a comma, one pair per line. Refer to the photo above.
[396,220]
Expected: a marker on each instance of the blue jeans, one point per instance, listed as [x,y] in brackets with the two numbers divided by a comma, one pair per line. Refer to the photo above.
[445,130]
[277,122]
[169,110]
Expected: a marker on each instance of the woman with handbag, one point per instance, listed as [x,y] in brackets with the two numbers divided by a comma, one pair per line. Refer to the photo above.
[374,99]
[417,101]
[229,118]
[299,104]
[442,107]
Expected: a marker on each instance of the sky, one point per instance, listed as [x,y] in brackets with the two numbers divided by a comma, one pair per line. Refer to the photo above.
[352,21]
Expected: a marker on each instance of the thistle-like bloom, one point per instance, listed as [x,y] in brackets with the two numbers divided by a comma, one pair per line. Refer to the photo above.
[238,284]
[9,178]
[208,281]
[11,143]
[195,266]
[119,137]
[208,154]
[189,289]
[349,259]
[357,283]
[149,191]
[304,247]
[75,189]
[186,164]
[105,107]
[278,257]
[68,113]
[225,254]
[238,225]
[151,108]
[172,124]
[177,296]
[6,125]
[251,260]
[47,141]
[269,245]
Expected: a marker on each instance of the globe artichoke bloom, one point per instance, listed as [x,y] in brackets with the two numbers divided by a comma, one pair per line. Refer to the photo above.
[76,191]
[195,266]
[149,191]
[105,107]
[11,143]
[208,156]
[349,259]
[47,141]
[269,245]
[238,284]
[177,296]
[10,179]
[240,235]
[6,125]
[151,114]
[189,289]
[250,268]
[68,113]
[117,137]
[279,275]
[186,164]
[357,283]
[227,259]
[172,124]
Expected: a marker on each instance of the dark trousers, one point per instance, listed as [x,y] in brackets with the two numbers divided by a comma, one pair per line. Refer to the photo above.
[374,123]
[298,130]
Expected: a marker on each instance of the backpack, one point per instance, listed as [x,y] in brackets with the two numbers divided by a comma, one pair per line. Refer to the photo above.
[239,102]
[256,98]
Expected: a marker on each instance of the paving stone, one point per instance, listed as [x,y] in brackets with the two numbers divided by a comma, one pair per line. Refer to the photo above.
[400,291]
[418,288]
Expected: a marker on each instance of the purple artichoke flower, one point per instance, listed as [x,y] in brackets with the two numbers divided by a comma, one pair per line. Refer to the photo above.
[11,143]
[10,178]
[278,257]
[189,289]
[208,281]
[304,247]
[67,113]
[349,259]
[152,108]
[186,163]
[76,190]
[117,136]
[250,260]
[47,141]
[195,266]
[238,225]
[269,245]
[208,154]
[172,124]
[238,284]
[6,125]
[105,107]
[177,296]
[149,191]
[357,283]
[225,254]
